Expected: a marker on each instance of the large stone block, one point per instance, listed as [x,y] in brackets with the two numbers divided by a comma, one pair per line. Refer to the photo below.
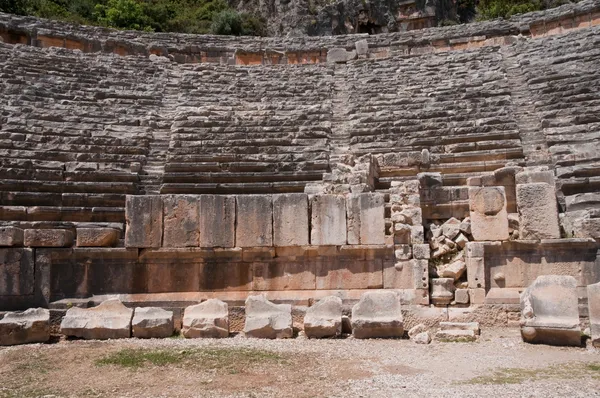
[31,326]
[489,219]
[267,320]
[109,320]
[290,219]
[334,273]
[593,295]
[207,319]
[366,222]
[16,272]
[144,217]
[152,322]
[181,221]
[97,237]
[538,211]
[324,319]
[217,221]
[284,274]
[549,311]
[328,220]
[254,221]
[11,236]
[48,238]
[377,314]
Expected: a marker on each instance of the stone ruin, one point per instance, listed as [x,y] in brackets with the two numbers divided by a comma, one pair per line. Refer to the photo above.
[445,171]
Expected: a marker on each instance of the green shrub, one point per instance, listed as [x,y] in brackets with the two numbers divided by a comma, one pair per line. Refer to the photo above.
[227,22]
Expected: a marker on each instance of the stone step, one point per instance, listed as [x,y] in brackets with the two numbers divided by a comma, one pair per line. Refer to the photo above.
[455,336]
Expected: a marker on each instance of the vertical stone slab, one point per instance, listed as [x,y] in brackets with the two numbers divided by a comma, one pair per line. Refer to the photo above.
[538,211]
[16,272]
[181,226]
[366,222]
[217,221]
[489,219]
[328,220]
[144,217]
[290,219]
[254,221]
[593,295]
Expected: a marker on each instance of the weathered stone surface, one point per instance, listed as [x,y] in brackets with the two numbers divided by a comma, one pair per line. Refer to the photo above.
[254,221]
[11,236]
[538,211]
[290,219]
[362,47]
[442,291]
[461,296]
[207,319]
[455,336]
[421,251]
[377,314]
[366,222]
[454,270]
[489,219]
[340,55]
[97,237]
[472,326]
[267,320]
[48,238]
[324,319]
[217,221]
[593,295]
[422,338]
[144,217]
[109,320]
[30,326]
[152,322]
[549,311]
[16,272]
[181,221]
[328,220]
[417,329]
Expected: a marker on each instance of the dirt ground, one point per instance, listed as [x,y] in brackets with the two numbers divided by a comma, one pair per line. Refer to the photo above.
[498,365]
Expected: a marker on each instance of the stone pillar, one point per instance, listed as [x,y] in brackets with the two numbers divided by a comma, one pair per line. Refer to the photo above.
[144,217]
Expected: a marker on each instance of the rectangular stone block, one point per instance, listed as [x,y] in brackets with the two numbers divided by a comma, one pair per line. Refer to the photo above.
[111,270]
[284,275]
[593,296]
[477,296]
[181,221]
[421,274]
[97,237]
[328,220]
[144,218]
[421,251]
[217,221]
[11,236]
[398,274]
[254,221]
[225,276]
[290,219]
[489,218]
[365,218]
[538,211]
[16,272]
[475,272]
[333,273]
[48,238]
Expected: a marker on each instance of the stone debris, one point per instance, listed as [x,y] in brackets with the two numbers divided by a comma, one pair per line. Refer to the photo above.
[377,314]
[207,319]
[267,320]
[415,330]
[109,320]
[454,270]
[324,319]
[30,326]
[549,311]
[422,338]
[152,322]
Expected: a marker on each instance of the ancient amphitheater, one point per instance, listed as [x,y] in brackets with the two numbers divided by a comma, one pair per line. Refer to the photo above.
[450,167]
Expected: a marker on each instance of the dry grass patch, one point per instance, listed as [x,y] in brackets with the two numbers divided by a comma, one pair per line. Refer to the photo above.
[519,375]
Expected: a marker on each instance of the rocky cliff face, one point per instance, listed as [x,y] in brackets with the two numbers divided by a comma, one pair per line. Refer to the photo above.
[331,17]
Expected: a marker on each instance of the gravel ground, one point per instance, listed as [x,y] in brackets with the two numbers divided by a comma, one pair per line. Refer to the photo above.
[498,365]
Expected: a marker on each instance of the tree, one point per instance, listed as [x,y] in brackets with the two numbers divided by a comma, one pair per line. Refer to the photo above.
[227,22]
[124,14]
[14,6]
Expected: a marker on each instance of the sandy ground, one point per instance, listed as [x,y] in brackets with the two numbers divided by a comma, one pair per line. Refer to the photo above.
[499,365]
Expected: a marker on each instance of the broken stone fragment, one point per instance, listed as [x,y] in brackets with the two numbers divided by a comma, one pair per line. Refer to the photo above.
[207,319]
[415,330]
[340,55]
[324,319]
[461,241]
[109,320]
[451,228]
[267,320]
[422,338]
[454,270]
[152,322]
[377,314]
[30,326]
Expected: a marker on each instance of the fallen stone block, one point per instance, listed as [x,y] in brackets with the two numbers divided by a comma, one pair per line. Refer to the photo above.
[422,338]
[377,314]
[593,294]
[455,336]
[549,311]
[340,55]
[324,319]
[152,322]
[208,319]
[48,238]
[461,296]
[109,320]
[30,326]
[455,270]
[267,320]
[473,326]
[11,236]
[97,237]
[415,330]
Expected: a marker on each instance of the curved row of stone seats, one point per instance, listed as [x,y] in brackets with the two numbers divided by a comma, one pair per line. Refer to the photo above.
[249,130]
[74,131]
